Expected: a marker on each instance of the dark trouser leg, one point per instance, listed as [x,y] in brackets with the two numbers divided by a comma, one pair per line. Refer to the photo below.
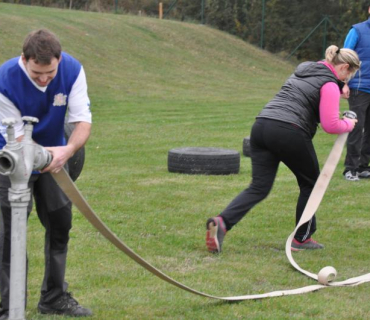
[358,144]
[302,161]
[365,147]
[5,236]
[271,142]
[54,211]
[57,225]
[264,168]
[5,239]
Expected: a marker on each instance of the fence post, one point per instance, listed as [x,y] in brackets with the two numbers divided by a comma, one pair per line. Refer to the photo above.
[160,10]
[263,23]
[324,37]
[202,13]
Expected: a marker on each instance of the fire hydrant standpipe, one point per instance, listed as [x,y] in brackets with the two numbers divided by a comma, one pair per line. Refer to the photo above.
[18,160]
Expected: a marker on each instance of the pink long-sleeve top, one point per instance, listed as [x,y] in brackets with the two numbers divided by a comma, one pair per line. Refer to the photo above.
[329,107]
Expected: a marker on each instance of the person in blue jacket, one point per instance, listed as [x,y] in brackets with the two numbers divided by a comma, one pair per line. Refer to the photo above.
[46,83]
[358,93]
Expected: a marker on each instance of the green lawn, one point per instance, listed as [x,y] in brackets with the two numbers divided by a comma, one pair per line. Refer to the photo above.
[157,85]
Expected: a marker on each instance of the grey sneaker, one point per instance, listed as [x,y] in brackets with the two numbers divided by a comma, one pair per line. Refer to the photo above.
[364,173]
[65,305]
[351,175]
[216,230]
[308,244]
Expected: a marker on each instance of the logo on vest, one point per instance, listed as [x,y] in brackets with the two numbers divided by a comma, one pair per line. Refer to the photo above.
[60,99]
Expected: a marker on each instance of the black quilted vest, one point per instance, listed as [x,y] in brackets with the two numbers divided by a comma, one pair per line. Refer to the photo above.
[298,100]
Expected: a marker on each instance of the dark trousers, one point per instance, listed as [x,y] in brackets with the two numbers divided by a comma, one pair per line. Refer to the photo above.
[54,211]
[358,142]
[271,142]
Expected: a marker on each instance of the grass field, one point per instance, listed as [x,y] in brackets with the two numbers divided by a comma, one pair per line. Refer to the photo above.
[156,85]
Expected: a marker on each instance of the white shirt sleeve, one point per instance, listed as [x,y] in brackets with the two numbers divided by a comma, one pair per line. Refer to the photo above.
[9,110]
[78,101]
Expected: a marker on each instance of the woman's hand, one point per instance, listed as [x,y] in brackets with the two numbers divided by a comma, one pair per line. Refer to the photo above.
[353,122]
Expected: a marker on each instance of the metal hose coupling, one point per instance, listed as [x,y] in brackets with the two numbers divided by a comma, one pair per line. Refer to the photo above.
[42,158]
[350,114]
[9,154]
[21,158]
[8,160]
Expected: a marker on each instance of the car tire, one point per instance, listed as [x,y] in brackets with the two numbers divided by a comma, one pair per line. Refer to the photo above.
[75,163]
[203,160]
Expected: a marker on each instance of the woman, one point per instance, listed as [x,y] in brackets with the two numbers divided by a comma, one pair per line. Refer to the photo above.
[283,132]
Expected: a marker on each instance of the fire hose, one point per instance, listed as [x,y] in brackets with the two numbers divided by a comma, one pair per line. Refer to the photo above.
[17,160]
[325,277]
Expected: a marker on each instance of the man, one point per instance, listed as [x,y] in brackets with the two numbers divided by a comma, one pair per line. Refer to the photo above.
[358,94]
[45,83]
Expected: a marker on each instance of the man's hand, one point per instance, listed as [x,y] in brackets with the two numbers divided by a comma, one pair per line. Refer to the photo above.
[60,157]
[345,92]
[78,138]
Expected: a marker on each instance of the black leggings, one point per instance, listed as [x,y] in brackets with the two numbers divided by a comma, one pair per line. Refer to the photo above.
[271,142]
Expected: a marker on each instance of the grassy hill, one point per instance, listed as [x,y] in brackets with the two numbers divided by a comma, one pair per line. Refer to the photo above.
[156,85]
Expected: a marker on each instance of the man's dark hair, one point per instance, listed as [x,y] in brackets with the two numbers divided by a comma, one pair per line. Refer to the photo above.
[41,46]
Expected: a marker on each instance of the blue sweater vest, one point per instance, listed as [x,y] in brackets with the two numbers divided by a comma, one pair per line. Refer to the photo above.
[49,107]
[362,79]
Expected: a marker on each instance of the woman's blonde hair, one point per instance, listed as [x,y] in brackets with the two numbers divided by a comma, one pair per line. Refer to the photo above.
[336,56]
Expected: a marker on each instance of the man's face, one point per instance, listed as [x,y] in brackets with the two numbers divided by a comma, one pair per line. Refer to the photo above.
[42,74]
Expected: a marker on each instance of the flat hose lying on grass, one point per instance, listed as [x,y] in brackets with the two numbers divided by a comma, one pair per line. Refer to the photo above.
[324,277]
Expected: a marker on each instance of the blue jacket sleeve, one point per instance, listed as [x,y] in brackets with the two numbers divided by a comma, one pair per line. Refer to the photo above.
[351,39]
